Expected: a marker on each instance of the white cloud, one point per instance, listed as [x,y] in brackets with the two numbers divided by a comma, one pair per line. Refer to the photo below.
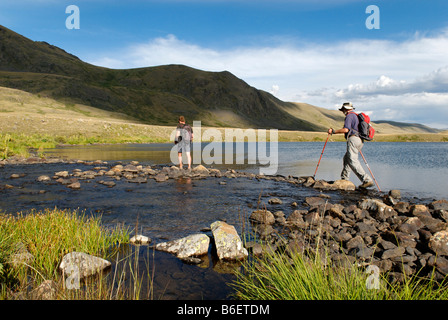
[274,90]
[409,76]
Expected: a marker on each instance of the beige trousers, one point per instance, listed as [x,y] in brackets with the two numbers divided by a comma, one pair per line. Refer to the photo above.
[351,161]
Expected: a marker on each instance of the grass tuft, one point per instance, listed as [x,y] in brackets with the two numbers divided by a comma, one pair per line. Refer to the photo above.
[277,276]
[48,235]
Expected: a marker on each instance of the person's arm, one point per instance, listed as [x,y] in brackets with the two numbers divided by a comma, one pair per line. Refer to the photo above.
[348,123]
[176,138]
[332,131]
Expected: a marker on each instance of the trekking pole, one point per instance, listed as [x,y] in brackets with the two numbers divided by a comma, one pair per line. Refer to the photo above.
[321,156]
[370,171]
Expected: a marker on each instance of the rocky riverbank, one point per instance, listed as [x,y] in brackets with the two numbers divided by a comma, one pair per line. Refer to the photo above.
[366,227]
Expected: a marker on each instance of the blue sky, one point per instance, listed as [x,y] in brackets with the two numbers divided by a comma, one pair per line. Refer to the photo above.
[318,52]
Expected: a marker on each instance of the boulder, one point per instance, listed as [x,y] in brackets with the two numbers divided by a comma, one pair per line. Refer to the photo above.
[190,246]
[442,265]
[130,168]
[262,216]
[117,169]
[308,181]
[296,218]
[419,209]
[275,201]
[83,264]
[200,169]
[74,185]
[439,242]
[322,184]
[47,290]
[138,180]
[402,207]
[345,185]
[393,253]
[433,225]
[21,256]
[355,242]
[228,243]
[43,178]
[439,205]
[140,239]
[315,201]
[312,218]
[62,174]
[379,209]
[161,177]
[396,194]
[109,184]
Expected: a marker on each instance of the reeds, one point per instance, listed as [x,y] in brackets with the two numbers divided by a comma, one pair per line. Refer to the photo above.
[311,275]
[48,235]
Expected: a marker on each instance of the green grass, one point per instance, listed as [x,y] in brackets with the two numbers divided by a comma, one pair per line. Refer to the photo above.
[277,276]
[48,235]
[20,144]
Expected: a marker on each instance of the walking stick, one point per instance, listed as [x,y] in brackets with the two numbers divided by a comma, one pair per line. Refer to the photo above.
[321,156]
[370,171]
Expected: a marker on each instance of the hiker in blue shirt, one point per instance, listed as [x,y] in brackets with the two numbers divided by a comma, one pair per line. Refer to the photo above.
[184,137]
[354,145]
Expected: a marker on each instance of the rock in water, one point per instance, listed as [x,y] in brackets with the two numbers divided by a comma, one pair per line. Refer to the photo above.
[161,177]
[228,243]
[275,201]
[43,178]
[201,169]
[82,264]
[140,239]
[343,185]
[194,245]
[74,185]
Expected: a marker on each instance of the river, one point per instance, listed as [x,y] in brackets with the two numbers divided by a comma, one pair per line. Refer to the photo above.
[417,169]
[176,208]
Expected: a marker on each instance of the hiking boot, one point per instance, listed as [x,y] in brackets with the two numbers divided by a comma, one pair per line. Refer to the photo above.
[366,184]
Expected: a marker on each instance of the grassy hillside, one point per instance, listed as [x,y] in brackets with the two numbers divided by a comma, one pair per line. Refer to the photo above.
[33,121]
[157,95]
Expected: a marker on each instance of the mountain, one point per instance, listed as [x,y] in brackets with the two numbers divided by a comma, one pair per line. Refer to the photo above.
[153,95]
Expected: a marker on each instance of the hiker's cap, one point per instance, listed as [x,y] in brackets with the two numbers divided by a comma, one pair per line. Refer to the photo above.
[347,106]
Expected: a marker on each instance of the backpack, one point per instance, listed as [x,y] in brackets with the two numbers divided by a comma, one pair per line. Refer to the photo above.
[185,133]
[365,130]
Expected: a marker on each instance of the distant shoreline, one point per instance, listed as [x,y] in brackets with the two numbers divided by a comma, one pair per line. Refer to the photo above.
[21,143]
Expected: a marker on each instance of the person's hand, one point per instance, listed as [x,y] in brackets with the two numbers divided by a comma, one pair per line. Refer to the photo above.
[330,131]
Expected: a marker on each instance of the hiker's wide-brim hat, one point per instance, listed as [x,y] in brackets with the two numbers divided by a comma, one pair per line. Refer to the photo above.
[347,106]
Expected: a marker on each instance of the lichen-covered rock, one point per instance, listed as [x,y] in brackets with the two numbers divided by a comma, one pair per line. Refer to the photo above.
[439,242]
[228,243]
[193,245]
[82,264]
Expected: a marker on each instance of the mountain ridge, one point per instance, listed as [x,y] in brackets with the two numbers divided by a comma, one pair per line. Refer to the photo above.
[155,95]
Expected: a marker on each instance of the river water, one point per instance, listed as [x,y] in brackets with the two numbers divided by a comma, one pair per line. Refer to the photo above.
[417,169]
[176,208]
